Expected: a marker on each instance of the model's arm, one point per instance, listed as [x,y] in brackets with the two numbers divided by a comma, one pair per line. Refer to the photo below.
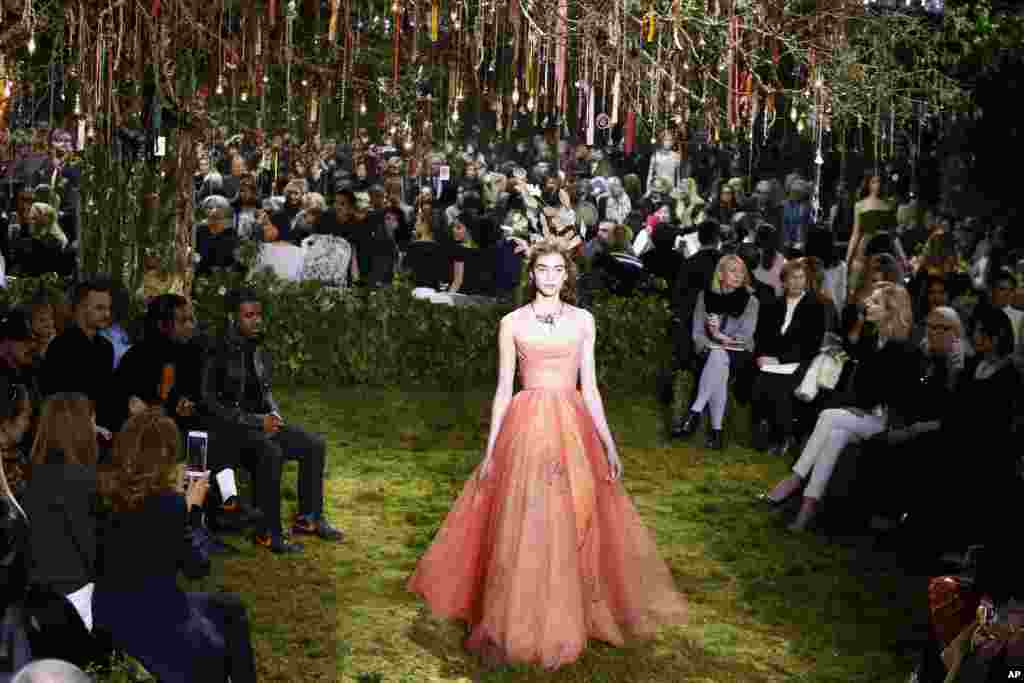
[503,394]
[851,248]
[592,395]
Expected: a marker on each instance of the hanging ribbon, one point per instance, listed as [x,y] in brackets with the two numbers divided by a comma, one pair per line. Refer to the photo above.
[616,96]
[332,26]
[562,52]
[272,12]
[590,117]
[630,133]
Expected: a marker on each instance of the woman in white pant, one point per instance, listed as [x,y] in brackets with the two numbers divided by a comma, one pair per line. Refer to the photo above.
[882,384]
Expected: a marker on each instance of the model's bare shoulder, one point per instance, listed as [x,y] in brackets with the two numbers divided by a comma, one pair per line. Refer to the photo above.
[512,319]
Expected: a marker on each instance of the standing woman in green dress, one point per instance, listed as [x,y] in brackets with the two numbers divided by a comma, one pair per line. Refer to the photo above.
[870,214]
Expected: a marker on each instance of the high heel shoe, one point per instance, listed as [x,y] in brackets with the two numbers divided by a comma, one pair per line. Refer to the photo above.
[765,498]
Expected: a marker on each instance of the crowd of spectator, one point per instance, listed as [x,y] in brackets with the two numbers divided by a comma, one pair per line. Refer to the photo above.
[876,348]
[99,518]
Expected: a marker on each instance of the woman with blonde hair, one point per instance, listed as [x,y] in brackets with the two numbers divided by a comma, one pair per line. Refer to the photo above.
[178,637]
[882,390]
[724,321]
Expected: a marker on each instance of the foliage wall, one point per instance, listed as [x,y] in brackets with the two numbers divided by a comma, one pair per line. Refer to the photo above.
[385,337]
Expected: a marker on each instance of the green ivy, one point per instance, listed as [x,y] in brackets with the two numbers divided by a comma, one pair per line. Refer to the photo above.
[385,337]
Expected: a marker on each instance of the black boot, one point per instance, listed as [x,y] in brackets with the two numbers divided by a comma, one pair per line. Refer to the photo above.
[762,436]
[689,425]
[715,441]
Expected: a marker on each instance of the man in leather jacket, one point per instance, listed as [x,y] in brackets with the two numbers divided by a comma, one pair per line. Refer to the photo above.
[236,393]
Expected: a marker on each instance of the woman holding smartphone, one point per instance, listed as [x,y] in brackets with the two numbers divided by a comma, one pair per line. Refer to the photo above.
[178,637]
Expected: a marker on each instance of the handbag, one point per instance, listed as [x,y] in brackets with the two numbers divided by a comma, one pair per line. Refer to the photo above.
[55,628]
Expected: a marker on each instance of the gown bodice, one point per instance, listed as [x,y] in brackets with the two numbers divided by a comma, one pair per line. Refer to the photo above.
[552,364]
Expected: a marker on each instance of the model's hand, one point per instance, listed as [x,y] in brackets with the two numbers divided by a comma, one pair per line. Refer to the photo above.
[614,465]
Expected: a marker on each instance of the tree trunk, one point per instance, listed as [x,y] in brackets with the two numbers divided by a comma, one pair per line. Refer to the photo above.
[184,209]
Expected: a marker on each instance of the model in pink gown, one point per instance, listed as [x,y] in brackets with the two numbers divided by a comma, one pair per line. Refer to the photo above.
[546,551]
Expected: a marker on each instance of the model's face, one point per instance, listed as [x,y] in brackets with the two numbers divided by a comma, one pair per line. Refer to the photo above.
[549,274]
[875,185]
[250,319]
[796,282]
[732,276]
[942,334]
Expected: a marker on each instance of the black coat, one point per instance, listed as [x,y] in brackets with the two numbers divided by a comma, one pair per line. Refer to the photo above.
[801,341]
[694,277]
[141,373]
[74,363]
[224,380]
[886,376]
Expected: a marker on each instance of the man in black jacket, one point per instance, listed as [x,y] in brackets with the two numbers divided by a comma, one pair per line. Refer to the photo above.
[236,392]
[80,359]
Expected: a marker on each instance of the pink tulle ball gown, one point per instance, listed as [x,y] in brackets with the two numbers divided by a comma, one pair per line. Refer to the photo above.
[546,552]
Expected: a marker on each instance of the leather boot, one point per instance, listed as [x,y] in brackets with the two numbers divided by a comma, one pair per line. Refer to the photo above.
[715,441]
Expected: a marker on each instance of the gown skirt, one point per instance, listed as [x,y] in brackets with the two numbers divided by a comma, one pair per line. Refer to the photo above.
[546,553]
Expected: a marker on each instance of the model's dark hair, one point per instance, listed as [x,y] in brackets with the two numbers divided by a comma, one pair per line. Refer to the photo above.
[708,233]
[543,248]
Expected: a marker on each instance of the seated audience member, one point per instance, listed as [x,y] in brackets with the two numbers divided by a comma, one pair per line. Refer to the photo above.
[694,276]
[246,208]
[896,461]
[426,260]
[279,256]
[933,296]
[17,361]
[880,268]
[158,277]
[43,249]
[215,239]
[306,222]
[1001,296]
[660,217]
[977,424]
[791,331]
[621,271]
[60,501]
[178,637]
[882,388]
[724,322]
[117,332]
[663,260]
[236,393]
[43,317]
[598,241]
[770,269]
[51,671]
[14,537]
[79,359]
[821,245]
[284,217]
[465,260]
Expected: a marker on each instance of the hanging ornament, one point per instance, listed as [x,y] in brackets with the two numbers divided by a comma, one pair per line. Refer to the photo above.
[647,26]
[435,20]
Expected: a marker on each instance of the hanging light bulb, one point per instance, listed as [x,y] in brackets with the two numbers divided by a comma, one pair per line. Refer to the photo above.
[362,107]
[529,103]
[266,79]
[220,88]
[245,96]
[304,83]
[515,95]
[672,98]
[455,116]
[394,7]
[408,144]
[800,126]
[7,90]
[392,130]
[32,44]
[792,114]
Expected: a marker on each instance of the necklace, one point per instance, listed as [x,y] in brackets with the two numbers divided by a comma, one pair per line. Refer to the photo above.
[550,319]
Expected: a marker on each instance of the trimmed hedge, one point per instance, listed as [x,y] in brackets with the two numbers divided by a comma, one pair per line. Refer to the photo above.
[385,337]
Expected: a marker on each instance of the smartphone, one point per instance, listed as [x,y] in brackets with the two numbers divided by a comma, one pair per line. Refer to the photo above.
[196,446]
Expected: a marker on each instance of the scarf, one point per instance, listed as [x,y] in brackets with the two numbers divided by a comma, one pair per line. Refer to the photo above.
[732,304]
